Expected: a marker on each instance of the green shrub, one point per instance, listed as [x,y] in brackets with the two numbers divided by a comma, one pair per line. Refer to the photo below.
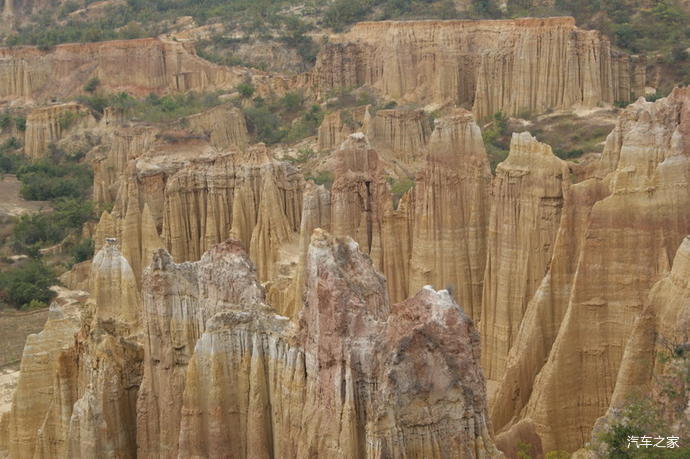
[344,12]
[20,123]
[305,126]
[27,285]
[322,178]
[83,250]
[401,186]
[47,180]
[67,119]
[245,89]
[35,231]
[11,162]
[34,305]
[292,102]
[92,85]
[264,124]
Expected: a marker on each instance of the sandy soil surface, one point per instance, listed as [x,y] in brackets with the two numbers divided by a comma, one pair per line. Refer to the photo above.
[11,203]
[14,328]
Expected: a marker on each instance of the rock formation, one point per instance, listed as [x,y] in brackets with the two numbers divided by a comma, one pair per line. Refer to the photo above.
[207,201]
[249,376]
[403,133]
[654,355]
[77,392]
[49,124]
[358,195]
[337,126]
[35,389]
[451,212]
[513,66]
[223,125]
[545,311]
[528,193]
[113,285]
[631,238]
[136,66]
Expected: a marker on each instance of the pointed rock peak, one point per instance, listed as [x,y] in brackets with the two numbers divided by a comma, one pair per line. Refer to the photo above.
[355,154]
[255,155]
[105,218]
[456,138]
[341,282]
[228,277]
[112,284]
[524,143]
[444,327]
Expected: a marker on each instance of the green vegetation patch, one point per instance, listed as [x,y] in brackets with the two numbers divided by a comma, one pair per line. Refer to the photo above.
[152,109]
[27,286]
[285,119]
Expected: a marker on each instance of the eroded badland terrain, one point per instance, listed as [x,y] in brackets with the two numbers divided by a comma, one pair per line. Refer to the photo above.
[278,230]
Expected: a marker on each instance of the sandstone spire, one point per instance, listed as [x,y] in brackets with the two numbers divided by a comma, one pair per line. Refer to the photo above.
[451,211]
[113,286]
[528,194]
[632,236]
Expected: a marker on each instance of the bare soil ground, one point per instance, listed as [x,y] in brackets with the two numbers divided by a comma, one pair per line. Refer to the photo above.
[14,328]
[11,204]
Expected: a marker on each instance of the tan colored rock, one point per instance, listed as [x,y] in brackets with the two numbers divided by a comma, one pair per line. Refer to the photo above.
[545,311]
[337,126]
[528,196]
[137,66]
[650,363]
[316,213]
[110,160]
[403,133]
[210,200]
[359,195]
[512,66]
[178,301]
[272,231]
[48,124]
[451,212]
[113,286]
[35,389]
[77,278]
[224,126]
[104,229]
[631,238]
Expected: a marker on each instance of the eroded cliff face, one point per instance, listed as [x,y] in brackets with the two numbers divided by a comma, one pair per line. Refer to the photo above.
[450,213]
[248,195]
[77,392]
[138,67]
[404,134]
[654,364]
[527,203]
[49,124]
[320,373]
[512,66]
[630,239]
